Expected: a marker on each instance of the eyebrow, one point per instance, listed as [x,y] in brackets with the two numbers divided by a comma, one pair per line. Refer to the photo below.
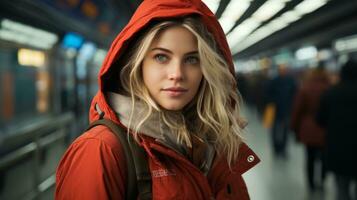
[168,51]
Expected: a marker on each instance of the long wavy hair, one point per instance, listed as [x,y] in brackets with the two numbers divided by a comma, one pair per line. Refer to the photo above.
[214,111]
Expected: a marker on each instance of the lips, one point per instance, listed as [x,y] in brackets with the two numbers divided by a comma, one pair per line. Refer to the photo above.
[175,91]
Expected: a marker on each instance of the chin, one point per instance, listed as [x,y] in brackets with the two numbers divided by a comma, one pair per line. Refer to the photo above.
[173,107]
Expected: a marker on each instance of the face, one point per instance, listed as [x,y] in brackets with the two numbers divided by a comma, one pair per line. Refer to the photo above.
[171,68]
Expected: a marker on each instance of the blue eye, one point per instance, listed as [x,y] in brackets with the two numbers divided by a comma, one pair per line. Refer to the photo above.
[160,58]
[192,60]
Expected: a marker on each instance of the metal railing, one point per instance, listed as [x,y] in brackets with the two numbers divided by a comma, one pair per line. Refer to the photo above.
[36,138]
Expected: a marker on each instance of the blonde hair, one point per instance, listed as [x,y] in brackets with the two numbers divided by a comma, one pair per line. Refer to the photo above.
[215,109]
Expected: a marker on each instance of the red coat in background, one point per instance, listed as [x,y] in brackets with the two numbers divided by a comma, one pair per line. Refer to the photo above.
[305,108]
[94,166]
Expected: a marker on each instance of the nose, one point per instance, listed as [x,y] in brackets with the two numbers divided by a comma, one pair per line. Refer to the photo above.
[175,71]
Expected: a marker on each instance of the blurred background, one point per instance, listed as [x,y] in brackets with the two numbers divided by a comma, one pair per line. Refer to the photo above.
[288,58]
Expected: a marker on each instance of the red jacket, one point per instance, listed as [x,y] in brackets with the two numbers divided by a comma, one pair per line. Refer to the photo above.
[305,107]
[94,166]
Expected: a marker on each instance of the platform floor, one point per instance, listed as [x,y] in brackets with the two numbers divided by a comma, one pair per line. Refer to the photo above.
[276,178]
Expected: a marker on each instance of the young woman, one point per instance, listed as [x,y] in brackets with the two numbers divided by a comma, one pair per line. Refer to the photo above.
[168,80]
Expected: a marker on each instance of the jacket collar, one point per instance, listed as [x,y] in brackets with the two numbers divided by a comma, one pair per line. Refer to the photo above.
[153,126]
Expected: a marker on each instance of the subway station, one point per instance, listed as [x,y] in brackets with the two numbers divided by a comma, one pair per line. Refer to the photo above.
[295,67]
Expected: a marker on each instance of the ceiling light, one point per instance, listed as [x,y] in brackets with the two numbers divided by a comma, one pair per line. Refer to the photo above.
[265,12]
[28,35]
[212,4]
[279,23]
[232,13]
[23,39]
[29,30]
[346,44]
[290,16]
[241,31]
[308,6]
[306,53]
[268,9]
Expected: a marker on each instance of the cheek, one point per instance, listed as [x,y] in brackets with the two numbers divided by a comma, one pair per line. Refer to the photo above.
[196,77]
[151,76]
[147,72]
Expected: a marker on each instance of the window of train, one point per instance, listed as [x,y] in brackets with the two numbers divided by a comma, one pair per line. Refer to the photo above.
[24,85]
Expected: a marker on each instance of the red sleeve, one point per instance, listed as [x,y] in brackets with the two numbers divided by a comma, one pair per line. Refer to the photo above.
[297,111]
[92,168]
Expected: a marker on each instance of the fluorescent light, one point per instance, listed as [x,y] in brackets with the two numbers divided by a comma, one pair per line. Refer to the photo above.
[27,57]
[306,53]
[11,25]
[279,23]
[226,24]
[268,9]
[24,34]
[12,36]
[308,6]
[212,4]
[346,44]
[260,34]
[290,16]
[248,42]
[241,31]
[247,66]
[232,13]
[24,39]
[265,12]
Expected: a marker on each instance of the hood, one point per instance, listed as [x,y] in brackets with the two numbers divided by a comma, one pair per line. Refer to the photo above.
[148,11]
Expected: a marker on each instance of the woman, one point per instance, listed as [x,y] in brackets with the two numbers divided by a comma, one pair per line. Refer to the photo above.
[168,78]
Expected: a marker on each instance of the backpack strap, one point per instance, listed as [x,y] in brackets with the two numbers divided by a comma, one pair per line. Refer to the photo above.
[138,181]
[143,175]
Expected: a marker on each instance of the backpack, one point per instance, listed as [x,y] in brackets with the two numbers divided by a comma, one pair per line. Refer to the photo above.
[138,184]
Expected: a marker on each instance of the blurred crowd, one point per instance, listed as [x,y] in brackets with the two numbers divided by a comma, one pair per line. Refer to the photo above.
[319,109]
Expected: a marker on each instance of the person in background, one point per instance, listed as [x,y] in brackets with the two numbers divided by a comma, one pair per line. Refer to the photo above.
[259,90]
[280,93]
[242,85]
[337,114]
[168,80]
[303,123]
